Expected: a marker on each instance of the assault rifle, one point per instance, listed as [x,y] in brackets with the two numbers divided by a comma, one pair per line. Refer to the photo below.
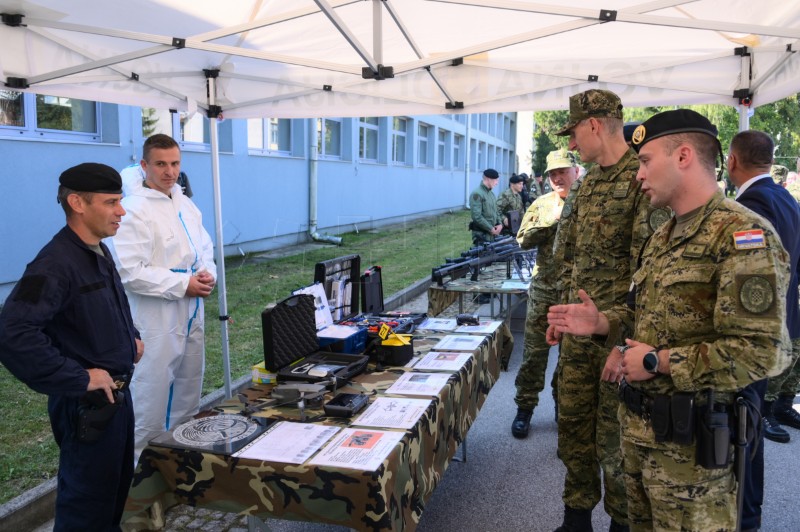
[505,249]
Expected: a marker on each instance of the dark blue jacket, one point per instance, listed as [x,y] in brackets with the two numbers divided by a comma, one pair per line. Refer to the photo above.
[774,203]
[68,313]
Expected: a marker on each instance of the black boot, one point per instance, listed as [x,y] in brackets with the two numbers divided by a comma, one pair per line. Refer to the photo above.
[784,413]
[576,520]
[522,423]
[616,527]
[772,429]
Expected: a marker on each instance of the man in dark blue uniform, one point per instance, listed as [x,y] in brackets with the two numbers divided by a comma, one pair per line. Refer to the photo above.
[749,163]
[66,331]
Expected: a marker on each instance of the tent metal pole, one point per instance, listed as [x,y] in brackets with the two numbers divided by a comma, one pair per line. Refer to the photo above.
[466,162]
[219,248]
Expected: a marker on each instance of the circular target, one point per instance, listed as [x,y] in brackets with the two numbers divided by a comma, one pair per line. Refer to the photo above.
[222,428]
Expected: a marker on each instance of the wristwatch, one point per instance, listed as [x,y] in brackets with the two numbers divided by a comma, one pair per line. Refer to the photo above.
[650,362]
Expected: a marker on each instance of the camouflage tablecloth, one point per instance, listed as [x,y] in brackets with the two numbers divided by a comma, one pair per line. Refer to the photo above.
[390,498]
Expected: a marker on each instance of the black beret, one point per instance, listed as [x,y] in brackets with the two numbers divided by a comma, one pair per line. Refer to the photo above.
[628,129]
[516,179]
[671,123]
[92,177]
[491,173]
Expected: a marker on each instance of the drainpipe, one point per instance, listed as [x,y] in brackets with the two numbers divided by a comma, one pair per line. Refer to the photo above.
[467,156]
[313,158]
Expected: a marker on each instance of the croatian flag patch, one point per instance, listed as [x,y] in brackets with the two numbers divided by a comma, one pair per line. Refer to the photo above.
[752,239]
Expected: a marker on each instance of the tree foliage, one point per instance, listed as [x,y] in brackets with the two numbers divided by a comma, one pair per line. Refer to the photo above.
[780,119]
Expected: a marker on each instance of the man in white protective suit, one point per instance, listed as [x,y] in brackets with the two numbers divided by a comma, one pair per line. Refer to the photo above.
[165,259]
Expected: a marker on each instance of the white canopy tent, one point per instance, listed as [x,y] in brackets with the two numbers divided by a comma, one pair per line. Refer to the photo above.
[334,58]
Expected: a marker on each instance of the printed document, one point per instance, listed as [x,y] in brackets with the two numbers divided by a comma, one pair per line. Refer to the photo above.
[364,449]
[443,361]
[419,384]
[453,342]
[288,442]
[393,413]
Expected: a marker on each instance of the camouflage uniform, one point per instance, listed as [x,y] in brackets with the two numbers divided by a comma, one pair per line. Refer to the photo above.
[779,174]
[538,229]
[507,202]
[794,190]
[483,205]
[599,237]
[718,310]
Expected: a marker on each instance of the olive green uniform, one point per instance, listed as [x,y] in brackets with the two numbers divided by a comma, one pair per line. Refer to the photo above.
[483,206]
[719,311]
[599,237]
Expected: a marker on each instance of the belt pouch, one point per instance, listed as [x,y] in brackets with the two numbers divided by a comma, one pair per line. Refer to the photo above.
[660,419]
[682,407]
[713,439]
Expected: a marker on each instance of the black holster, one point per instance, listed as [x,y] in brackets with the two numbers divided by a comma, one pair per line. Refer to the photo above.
[713,438]
[95,413]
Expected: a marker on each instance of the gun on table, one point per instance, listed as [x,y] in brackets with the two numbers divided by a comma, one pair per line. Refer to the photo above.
[504,249]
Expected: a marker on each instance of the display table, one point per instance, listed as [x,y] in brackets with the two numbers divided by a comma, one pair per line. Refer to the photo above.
[491,280]
[390,498]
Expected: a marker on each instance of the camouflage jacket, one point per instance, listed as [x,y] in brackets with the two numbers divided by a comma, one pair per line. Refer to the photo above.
[604,225]
[718,309]
[509,201]
[483,205]
[538,230]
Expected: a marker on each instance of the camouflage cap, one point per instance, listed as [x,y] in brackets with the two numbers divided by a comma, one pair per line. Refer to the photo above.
[594,103]
[560,159]
[779,173]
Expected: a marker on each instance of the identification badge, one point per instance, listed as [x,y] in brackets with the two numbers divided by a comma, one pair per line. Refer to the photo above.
[751,239]
[694,251]
[621,190]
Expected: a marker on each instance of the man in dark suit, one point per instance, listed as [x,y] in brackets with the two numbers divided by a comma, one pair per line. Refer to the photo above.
[749,163]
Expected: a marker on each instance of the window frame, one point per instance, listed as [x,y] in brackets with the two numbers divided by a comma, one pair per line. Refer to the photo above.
[32,129]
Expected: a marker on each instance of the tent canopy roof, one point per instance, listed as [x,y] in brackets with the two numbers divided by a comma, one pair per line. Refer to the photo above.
[316,58]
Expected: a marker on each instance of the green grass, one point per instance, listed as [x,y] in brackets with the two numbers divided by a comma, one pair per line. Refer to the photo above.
[407,252]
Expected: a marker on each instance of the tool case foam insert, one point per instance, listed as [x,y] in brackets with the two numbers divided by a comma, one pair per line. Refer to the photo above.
[291,348]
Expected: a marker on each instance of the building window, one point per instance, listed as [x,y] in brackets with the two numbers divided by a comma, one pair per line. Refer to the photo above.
[156,121]
[441,149]
[458,144]
[368,139]
[329,143]
[269,135]
[54,117]
[422,133]
[194,128]
[399,132]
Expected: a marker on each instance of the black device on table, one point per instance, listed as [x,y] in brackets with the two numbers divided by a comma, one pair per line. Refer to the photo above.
[346,404]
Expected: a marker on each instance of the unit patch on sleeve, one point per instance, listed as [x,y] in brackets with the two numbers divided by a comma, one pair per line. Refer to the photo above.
[750,239]
[756,293]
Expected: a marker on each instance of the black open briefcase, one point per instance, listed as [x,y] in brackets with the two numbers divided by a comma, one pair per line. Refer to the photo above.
[291,348]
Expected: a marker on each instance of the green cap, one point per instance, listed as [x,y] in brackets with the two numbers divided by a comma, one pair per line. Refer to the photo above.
[560,159]
[594,103]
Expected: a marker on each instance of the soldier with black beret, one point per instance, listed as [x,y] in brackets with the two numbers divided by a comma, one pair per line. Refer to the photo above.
[486,220]
[66,331]
[706,318]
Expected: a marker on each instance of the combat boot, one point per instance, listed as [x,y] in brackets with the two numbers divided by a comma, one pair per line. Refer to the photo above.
[616,527]
[772,429]
[784,413]
[522,423]
[576,520]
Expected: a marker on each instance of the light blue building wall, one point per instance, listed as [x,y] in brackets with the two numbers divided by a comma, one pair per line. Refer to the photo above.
[369,172]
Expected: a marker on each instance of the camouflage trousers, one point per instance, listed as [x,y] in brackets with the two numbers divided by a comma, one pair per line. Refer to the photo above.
[588,429]
[788,382]
[667,491]
[536,350]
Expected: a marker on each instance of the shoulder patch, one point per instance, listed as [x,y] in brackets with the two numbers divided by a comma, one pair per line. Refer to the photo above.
[476,197]
[657,218]
[29,289]
[750,239]
[756,293]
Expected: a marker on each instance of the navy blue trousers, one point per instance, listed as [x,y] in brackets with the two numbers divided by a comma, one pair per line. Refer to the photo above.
[754,474]
[93,478]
